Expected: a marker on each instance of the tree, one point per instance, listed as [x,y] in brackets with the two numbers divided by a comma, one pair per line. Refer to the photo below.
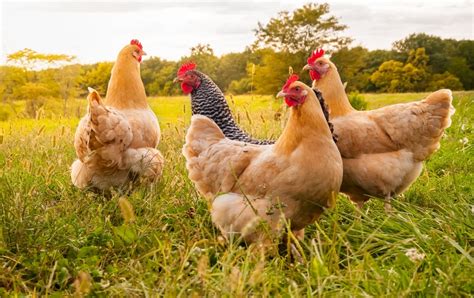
[272,72]
[158,75]
[387,77]
[460,68]
[417,67]
[303,30]
[418,58]
[97,76]
[232,67]
[394,76]
[439,50]
[466,50]
[34,90]
[67,78]
[30,59]
[375,58]
[203,56]
[351,63]
[241,86]
[444,80]
[11,78]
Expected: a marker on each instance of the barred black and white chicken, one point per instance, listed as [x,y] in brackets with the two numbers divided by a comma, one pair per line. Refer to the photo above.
[208,100]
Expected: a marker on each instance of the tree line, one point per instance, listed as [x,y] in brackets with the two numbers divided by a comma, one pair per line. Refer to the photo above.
[419,62]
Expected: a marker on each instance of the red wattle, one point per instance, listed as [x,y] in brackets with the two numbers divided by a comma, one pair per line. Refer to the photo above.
[186,88]
[314,75]
[290,102]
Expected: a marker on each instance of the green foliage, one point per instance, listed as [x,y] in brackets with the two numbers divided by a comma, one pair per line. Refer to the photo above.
[437,48]
[351,64]
[444,54]
[444,80]
[11,78]
[387,77]
[30,59]
[96,76]
[158,75]
[31,91]
[418,58]
[357,101]
[53,235]
[68,78]
[203,56]
[303,30]
[375,58]
[459,67]
[272,72]
[420,62]
[241,86]
[394,76]
[232,67]
[23,83]
[466,49]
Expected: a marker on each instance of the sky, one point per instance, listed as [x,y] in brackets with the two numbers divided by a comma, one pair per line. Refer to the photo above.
[96,30]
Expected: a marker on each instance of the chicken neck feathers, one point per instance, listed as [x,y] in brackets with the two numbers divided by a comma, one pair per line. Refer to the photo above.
[208,100]
[126,89]
[325,109]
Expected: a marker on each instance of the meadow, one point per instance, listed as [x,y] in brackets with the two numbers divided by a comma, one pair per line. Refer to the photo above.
[57,240]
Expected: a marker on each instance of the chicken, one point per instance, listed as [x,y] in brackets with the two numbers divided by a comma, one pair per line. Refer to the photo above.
[383,150]
[295,178]
[116,141]
[208,100]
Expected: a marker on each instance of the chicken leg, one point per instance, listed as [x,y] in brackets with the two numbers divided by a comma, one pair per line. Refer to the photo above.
[388,204]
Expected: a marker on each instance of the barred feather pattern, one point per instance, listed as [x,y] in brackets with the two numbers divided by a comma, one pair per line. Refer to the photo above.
[325,109]
[208,100]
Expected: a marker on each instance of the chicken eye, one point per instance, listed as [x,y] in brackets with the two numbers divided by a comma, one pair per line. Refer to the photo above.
[297,88]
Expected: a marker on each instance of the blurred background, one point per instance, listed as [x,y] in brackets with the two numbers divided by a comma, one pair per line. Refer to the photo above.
[52,51]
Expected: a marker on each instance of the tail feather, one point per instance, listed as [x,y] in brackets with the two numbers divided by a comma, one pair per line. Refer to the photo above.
[108,125]
[439,108]
[95,107]
[214,162]
[109,135]
[202,133]
[417,126]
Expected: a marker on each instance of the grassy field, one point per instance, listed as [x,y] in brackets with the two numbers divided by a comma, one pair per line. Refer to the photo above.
[57,240]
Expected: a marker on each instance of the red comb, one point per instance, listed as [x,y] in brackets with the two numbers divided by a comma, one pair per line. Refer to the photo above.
[293,78]
[315,55]
[187,66]
[137,43]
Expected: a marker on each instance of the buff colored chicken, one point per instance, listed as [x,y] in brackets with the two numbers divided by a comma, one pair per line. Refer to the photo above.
[295,178]
[383,150]
[115,142]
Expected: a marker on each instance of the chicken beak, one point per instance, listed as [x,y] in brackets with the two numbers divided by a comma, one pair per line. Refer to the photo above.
[177,79]
[143,53]
[307,67]
[281,94]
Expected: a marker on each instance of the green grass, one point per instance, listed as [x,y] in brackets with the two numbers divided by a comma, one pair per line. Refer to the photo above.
[50,232]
